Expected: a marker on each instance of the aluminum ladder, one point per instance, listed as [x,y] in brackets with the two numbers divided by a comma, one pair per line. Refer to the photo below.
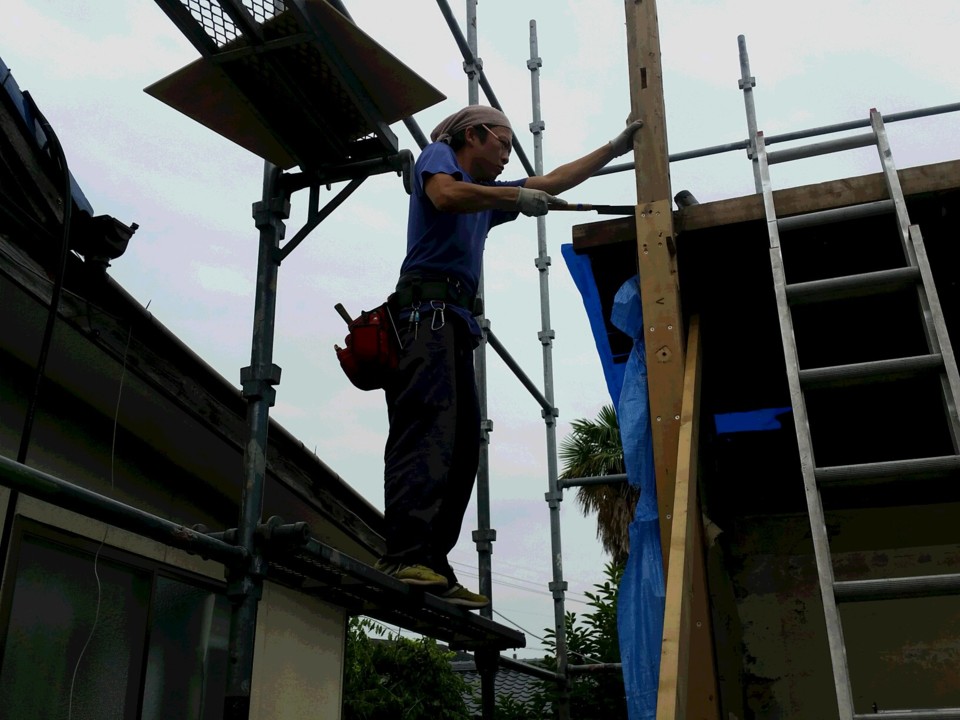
[940,359]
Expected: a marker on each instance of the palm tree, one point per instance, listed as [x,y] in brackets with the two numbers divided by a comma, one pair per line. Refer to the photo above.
[594,448]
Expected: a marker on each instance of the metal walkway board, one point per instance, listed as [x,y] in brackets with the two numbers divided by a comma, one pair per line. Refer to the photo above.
[324,572]
[292,81]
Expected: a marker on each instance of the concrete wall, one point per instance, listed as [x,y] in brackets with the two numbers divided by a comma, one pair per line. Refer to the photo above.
[903,654]
[298,667]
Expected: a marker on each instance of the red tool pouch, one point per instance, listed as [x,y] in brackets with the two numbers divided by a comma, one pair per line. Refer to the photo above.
[372,349]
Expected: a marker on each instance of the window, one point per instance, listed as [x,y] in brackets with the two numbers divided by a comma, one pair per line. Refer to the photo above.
[159,649]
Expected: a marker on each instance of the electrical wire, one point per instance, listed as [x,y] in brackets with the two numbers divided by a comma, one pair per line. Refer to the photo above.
[545,642]
[537,589]
[27,430]
[61,269]
[103,540]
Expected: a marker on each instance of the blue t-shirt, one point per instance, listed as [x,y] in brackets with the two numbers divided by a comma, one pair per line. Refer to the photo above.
[445,243]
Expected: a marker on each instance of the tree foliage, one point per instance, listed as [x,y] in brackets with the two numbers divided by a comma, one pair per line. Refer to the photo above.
[592,449]
[399,678]
[413,680]
[590,639]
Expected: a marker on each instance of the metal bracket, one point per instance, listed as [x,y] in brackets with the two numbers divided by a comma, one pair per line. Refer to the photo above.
[748,82]
[542,263]
[472,68]
[270,214]
[259,383]
[546,336]
[534,63]
[537,127]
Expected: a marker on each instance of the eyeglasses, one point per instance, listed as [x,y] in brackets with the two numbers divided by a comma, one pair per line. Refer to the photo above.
[506,145]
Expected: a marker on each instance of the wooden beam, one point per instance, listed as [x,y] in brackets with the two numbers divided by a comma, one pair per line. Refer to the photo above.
[656,251]
[920,180]
[688,681]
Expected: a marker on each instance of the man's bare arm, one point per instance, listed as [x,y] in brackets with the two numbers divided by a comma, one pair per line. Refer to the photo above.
[573,173]
[451,195]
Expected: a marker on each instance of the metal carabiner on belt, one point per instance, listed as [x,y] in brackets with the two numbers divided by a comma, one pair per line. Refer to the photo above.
[438,308]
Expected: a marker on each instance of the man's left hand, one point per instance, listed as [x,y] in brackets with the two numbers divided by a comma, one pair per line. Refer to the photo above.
[623,143]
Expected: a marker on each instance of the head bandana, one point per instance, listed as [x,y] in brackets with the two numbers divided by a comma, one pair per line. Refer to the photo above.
[470,116]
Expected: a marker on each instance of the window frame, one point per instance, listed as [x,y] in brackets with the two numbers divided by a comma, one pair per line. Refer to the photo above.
[25,528]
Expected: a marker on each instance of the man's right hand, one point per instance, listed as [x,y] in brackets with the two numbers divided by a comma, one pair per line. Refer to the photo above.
[534,203]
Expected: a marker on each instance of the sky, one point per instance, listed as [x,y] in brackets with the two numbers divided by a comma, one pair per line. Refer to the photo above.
[193,259]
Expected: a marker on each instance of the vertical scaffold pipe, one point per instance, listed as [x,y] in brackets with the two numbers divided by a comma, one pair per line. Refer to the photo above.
[554,495]
[472,70]
[484,536]
[245,586]
[747,83]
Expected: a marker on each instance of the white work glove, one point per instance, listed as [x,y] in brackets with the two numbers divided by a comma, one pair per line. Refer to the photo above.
[535,203]
[623,143]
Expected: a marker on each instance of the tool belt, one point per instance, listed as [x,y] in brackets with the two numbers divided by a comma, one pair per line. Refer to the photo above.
[413,288]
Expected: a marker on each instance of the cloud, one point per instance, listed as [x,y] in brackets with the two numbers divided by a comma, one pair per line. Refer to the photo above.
[219,279]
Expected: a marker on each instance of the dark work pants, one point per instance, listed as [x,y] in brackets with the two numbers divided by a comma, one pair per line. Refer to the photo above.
[433,447]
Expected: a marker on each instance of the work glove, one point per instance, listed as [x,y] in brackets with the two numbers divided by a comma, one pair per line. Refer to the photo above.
[623,143]
[535,203]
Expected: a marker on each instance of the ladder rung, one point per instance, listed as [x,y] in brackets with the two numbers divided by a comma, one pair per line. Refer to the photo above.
[897,588]
[851,286]
[939,714]
[890,470]
[821,148]
[835,215]
[868,372]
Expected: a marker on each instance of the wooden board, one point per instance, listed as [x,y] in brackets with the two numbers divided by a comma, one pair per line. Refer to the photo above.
[790,201]
[656,252]
[688,681]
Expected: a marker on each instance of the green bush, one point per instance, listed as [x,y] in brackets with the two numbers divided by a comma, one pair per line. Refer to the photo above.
[413,679]
[399,678]
[595,696]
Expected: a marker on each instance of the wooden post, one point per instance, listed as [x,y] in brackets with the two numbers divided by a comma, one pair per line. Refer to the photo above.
[687,675]
[656,253]
[688,680]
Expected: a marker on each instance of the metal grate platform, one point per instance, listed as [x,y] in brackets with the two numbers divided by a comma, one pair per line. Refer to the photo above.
[326,573]
[295,82]
[217,23]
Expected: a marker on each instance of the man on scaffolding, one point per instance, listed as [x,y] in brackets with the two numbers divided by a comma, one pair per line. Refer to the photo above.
[433,446]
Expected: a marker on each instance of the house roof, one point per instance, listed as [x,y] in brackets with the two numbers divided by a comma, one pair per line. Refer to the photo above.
[509,683]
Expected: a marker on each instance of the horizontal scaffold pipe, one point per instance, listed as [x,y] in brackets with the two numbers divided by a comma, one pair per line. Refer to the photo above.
[594,668]
[528,669]
[787,137]
[68,496]
[611,479]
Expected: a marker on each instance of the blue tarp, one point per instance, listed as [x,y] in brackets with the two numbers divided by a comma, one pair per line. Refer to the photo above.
[641,596]
[582,274]
[640,602]
[753,420]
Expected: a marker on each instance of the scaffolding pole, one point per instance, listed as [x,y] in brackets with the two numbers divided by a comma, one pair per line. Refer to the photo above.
[747,84]
[554,495]
[245,586]
[484,536]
